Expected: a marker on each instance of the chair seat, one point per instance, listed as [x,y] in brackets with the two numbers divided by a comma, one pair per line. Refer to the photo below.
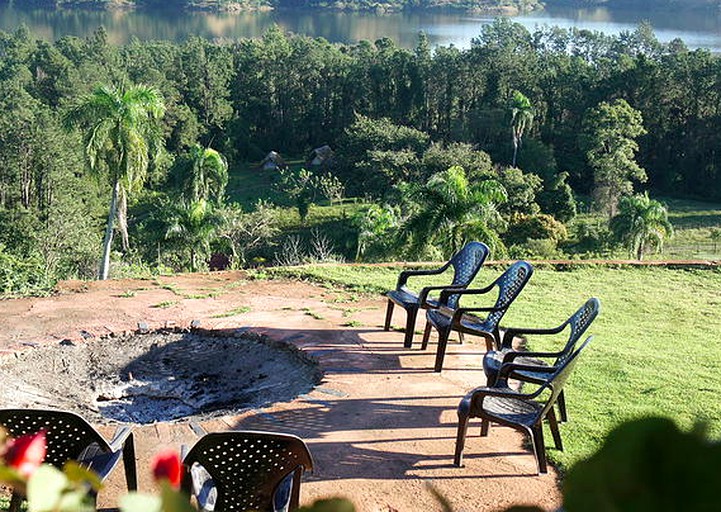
[441,320]
[403,297]
[514,410]
[407,299]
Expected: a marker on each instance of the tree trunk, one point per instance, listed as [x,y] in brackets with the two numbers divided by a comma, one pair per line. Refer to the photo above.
[515,151]
[108,240]
[639,253]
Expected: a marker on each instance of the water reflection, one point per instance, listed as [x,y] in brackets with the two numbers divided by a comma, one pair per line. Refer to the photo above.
[698,29]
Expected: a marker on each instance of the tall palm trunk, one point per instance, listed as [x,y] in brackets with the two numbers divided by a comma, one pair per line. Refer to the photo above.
[108,240]
[641,248]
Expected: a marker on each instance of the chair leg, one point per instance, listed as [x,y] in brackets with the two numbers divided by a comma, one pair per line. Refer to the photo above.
[460,440]
[389,314]
[539,449]
[441,351]
[562,413]
[410,327]
[485,425]
[553,423]
[131,475]
[15,503]
[461,339]
[426,335]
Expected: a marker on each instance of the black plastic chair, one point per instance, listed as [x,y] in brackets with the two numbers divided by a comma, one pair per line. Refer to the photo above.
[577,324]
[70,437]
[515,409]
[447,319]
[245,470]
[466,263]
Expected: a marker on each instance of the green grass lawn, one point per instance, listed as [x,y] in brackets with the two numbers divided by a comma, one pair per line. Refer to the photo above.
[656,351]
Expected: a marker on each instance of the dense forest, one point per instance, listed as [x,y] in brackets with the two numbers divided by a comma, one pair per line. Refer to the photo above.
[495,142]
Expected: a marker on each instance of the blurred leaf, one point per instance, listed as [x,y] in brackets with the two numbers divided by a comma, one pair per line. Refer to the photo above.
[647,465]
[45,488]
[136,502]
[441,499]
[9,475]
[173,500]
[79,474]
[77,500]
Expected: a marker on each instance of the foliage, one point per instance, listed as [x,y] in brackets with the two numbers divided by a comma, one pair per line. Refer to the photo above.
[121,138]
[522,113]
[21,276]
[375,154]
[611,132]
[377,232]
[248,232]
[330,187]
[393,115]
[636,468]
[641,221]
[521,189]
[522,228]
[203,174]
[302,187]
[448,210]
[438,157]
[557,199]
[191,226]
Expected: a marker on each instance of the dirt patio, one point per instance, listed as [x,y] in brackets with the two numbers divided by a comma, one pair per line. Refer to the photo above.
[380,426]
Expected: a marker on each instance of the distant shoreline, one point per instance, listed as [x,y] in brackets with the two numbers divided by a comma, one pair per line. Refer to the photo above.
[486,7]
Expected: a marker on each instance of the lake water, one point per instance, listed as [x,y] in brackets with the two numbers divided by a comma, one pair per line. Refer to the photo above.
[697,29]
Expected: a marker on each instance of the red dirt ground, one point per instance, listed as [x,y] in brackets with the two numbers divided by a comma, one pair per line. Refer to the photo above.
[381,425]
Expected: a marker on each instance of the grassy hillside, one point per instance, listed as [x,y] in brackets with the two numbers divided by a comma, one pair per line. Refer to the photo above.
[655,350]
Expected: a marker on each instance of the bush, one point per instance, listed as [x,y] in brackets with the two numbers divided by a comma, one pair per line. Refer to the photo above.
[523,228]
[22,276]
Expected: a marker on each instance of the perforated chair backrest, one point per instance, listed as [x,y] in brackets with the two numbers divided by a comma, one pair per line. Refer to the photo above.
[578,323]
[561,375]
[510,284]
[466,263]
[68,435]
[247,467]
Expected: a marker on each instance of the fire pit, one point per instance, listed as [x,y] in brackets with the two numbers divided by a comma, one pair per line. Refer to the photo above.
[158,376]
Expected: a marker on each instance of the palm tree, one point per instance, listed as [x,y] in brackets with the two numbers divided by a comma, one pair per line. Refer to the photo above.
[641,221]
[208,175]
[192,225]
[451,210]
[521,119]
[121,135]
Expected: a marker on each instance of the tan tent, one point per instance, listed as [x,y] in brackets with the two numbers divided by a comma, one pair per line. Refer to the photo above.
[272,162]
[321,156]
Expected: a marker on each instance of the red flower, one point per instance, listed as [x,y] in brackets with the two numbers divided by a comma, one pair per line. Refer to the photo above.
[167,466]
[26,453]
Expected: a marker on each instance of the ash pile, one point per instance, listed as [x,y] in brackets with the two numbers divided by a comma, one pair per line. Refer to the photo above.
[158,376]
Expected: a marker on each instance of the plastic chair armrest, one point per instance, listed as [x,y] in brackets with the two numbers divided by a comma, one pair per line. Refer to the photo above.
[508,357]
[423,295]
[513,332]
[405,274]
[466,291]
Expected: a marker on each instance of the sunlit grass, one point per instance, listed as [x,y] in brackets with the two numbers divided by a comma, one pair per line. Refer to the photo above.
[656,349]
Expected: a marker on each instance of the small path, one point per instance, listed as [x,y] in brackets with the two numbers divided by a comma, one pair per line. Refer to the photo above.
[381,425]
